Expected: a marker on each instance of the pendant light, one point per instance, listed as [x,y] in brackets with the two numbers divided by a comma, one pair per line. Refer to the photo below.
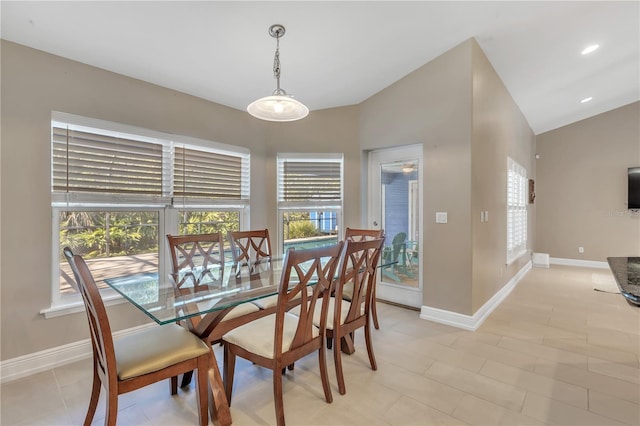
[279,106]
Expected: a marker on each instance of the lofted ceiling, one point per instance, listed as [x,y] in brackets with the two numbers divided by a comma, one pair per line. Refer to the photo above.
[341,53]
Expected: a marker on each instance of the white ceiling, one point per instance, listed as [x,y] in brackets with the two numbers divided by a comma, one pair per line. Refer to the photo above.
[341,53]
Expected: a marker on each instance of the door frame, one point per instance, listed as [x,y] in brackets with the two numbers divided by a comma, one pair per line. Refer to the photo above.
[389,291]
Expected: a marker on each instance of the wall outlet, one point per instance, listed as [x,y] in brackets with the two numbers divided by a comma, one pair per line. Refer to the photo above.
[580,249]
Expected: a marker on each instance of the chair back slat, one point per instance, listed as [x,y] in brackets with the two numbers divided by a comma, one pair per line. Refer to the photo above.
[355,234]
[100,329]
[300,267]
[196,259]
[357,269]
[250,247]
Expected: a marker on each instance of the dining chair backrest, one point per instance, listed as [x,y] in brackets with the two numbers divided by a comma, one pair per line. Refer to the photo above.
[101,337]
[356,274]
[357,270]
[355,234]
[196,259]
[250,247]
[300,268]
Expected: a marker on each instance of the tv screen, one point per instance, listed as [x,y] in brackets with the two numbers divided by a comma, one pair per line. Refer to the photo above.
[634,188]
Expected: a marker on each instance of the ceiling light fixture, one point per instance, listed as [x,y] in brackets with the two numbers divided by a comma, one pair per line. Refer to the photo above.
[590,49]
[585,100]
[279,106]
[408,167]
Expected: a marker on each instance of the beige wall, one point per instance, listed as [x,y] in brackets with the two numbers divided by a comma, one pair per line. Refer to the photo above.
[582,187]
[432,107]
[458,109]
[34,84]
[499,130]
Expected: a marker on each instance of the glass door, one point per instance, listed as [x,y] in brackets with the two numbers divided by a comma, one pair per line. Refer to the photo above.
[395,206]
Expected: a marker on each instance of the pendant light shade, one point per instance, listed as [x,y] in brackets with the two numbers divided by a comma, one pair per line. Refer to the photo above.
[279,106]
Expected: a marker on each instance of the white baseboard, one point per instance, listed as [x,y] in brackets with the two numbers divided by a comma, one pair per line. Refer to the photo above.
[578,262]
[26,365]
[472,322]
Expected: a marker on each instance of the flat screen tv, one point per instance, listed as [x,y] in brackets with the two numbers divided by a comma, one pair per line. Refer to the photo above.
[634,188]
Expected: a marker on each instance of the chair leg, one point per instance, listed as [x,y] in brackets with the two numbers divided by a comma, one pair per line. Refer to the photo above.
[112,407]
[367,338]
[202,390]
[95,395]
[277,396]
[173,382]
[186,379]
[374,310]
[228,370]
[337,360]
[322,357]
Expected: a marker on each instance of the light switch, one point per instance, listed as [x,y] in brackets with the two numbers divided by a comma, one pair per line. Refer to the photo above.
[482,216]
[486,216]
[441,217]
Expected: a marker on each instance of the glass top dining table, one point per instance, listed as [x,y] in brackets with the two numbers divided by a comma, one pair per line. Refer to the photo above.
[201,290]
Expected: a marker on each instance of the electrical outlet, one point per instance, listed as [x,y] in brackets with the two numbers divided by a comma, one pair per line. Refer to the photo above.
[580,249]
[441,217]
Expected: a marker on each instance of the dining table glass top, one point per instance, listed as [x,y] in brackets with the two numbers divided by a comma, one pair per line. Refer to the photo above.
[199,290]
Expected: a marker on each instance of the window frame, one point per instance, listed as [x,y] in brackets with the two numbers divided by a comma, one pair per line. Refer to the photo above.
[285,206]
[167,206]
[516,207]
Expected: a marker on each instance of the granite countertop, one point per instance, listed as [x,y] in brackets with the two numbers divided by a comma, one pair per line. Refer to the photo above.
[626,270]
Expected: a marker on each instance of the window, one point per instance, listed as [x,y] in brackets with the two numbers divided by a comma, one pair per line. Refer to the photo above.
[309,199]
[118,190]
[516,210]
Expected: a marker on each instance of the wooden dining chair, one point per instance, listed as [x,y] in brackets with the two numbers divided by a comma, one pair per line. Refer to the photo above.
[355,234]
[358,263]
[252,249]
[198,260]
[278,340]
[134,361]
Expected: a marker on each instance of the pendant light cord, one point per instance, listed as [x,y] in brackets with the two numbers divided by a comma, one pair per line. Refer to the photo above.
[276,64]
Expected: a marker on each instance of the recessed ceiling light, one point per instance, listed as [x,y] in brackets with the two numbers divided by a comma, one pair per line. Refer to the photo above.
[590,49]
[585,100]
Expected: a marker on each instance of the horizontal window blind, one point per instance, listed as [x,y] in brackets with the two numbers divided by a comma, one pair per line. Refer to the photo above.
[111,165]
[199,173]
[310,181]
[83,161]
[516,210]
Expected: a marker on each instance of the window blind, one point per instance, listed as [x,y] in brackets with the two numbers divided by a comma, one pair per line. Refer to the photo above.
[200,173]
[310,181]
[84,161]
[516,210]
[114,164]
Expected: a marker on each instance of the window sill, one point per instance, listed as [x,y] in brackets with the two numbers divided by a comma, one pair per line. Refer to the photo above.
[78,306]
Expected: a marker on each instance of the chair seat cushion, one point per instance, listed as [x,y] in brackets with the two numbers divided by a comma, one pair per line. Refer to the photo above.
[240,310]
[270,302]
[258,336]
[347,291]
[154,349]
[344,309]
[266,302]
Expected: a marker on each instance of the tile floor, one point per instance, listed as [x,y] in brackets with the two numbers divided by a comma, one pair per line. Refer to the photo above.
[555,352]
